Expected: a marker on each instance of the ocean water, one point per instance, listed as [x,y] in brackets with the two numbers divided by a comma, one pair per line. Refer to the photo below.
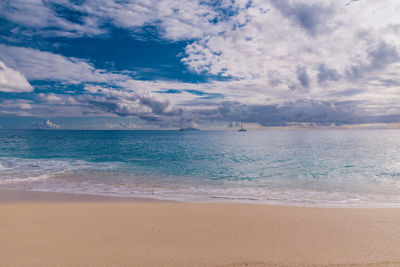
[291,167]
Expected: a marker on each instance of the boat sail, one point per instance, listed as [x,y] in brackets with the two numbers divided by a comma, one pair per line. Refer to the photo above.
[241,128]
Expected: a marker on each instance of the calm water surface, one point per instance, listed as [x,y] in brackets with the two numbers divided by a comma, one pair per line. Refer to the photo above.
[309,167]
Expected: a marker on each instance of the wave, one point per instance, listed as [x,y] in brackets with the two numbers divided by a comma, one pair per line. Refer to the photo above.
[23,170]
[117,179]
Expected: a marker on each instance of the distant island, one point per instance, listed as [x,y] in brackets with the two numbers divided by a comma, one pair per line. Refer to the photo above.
[189,129]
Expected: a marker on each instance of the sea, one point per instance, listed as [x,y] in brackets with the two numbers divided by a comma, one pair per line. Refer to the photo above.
[331,168]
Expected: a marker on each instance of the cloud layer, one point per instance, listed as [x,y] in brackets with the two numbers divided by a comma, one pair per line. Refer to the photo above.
[271,62]
[12,80]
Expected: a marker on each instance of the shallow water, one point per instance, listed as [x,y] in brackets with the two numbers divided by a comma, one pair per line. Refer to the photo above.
[302,167]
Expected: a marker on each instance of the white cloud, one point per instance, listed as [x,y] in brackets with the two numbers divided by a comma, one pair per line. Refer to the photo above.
[51,125]
[278,52]
[43,16]
[41,65]
[307,50]
[177,19]
[47,124]
[271,46]
[120,126]
[12,80]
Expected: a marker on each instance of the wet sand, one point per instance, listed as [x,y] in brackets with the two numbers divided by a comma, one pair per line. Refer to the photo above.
[51,229]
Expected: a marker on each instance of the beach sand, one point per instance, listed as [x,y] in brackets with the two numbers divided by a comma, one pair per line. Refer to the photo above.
[49,229]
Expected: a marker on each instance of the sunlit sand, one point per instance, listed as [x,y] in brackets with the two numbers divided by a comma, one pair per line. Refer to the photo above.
[47,229]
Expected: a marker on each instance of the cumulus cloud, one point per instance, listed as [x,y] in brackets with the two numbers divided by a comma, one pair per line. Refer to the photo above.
[282,61]
[310,33]
[120,126]
[12,80]
[51,125]
[144,105]
[326,74]
[311,16]
[47,19]
[42,65]
[19,107]
[378,57]
[307,50]
[47,124]
[298,111]
[176,20]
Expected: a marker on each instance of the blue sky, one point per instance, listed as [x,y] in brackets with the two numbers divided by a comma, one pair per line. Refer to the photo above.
[104,64]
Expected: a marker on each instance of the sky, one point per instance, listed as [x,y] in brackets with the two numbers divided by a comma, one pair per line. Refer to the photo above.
[155,64]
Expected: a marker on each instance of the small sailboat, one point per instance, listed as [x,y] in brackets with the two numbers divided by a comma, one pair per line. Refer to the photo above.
[241,128]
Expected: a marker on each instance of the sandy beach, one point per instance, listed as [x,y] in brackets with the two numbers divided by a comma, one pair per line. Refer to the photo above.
[50,229]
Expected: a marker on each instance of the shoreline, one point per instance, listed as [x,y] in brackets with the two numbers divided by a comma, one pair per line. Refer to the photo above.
[51,229]
[21,195]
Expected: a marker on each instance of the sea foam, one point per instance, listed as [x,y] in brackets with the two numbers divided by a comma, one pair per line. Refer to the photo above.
[329,168]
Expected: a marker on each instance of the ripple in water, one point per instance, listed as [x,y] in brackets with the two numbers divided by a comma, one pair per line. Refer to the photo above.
[311,167]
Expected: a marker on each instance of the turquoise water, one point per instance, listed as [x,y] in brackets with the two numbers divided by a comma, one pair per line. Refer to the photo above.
[302,167]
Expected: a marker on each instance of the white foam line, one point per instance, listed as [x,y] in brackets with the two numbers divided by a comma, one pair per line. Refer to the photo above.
[25,180]
[184,197]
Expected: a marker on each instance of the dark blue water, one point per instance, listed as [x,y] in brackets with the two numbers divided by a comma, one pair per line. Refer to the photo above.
[323,167]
